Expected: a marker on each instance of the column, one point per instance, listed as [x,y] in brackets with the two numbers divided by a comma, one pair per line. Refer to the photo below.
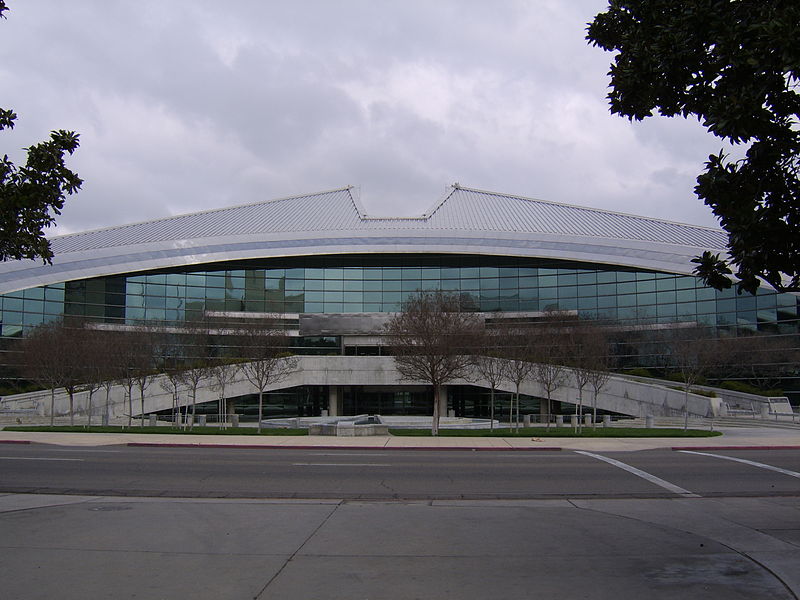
[230,409]
[443,389]
[334,401]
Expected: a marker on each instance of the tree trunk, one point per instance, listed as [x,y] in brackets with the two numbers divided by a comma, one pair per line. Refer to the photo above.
[52,406]
[260,408]
[577,419]
[89,409]
[130,406]
[108,416]
[686,409]
[491,410]
[141,402]
[194,408]
[546,412]
[71,407]
[435,420]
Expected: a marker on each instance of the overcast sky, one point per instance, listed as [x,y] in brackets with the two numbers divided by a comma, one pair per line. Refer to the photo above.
[186,105]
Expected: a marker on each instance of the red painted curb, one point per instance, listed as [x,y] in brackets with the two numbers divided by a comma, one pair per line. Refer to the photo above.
[15,441]
[266,447]
[736,448]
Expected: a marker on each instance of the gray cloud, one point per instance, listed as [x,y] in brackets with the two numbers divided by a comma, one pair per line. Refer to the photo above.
[189,105]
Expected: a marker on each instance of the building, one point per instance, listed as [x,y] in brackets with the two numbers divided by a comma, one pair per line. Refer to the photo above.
[333,272]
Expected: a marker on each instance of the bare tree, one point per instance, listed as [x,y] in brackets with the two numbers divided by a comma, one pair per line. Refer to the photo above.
[143,343]
[104,367]
[588,354]
[193,377]
[172,371]
[763,359]
[223,372]
[431,341]
[519,366]
[693,351]
[115,367]
[93,351]
[43,359]
[134,364]
[56,355]
[549,352]
[197,361]
[266,361]
[176,352]
[171,382]
[72,336]
[600,364]
[490,366]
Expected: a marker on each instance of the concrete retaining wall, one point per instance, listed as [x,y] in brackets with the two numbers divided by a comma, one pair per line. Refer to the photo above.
[621,394]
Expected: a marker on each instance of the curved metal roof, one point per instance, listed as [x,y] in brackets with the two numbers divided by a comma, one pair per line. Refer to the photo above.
[464,221]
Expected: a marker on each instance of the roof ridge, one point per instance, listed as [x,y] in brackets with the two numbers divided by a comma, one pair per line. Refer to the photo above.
[457,186]
[346,188]
[447,195]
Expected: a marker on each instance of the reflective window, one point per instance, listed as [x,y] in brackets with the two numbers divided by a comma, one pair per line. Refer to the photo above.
[377,283]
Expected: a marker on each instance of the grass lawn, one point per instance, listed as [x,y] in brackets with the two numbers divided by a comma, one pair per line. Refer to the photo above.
[562,432]
[541,432]
[162,429]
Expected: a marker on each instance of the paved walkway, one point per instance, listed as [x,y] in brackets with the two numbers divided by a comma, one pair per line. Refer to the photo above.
[733,437]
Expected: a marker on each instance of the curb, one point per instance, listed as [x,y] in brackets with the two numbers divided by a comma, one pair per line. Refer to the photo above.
[735,448]
[391,448]
[15,441]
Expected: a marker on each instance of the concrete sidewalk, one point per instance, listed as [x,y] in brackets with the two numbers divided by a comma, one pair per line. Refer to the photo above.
[740,437]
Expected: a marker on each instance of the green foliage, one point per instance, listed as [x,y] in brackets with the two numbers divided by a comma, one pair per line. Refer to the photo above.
[706,393]
[162,429]
[562,432]
[19,387]
[638,372]
[679,378]
[614,432]
[735,66]
[741,386]
[32,194]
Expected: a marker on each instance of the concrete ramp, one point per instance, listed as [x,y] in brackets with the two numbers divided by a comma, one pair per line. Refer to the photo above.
[620,394]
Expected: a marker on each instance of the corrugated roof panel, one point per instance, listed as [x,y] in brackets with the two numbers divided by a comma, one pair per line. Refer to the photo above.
[303,213]
[474,209]
[337,210]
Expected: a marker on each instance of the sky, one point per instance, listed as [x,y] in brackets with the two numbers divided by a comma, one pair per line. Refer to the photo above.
[187,105]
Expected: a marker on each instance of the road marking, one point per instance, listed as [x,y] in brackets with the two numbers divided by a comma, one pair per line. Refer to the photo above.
[35,458]
[87,450]
[746,462]
[643,474]
[346,454]
[341,465]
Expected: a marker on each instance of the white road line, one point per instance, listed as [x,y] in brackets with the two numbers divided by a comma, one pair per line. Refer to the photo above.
[86,450]
[643,474]
[340,465]
[746,462]
[35,458]
[346,454]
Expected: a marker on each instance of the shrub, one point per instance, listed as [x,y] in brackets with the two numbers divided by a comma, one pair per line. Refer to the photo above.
[638,372]
[741,386]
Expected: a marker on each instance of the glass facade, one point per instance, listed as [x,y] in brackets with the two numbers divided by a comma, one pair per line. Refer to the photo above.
[380,283]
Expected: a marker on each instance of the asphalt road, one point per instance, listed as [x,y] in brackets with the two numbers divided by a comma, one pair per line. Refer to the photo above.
[393,475]
[270,524]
